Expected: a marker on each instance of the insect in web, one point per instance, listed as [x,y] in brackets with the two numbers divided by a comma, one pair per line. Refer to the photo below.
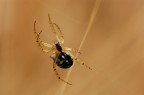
[62,56]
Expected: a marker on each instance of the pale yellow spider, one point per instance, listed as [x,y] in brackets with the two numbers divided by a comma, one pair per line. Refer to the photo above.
[61,55]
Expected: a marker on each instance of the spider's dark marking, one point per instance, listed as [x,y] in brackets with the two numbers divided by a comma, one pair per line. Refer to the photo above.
[64,60]
[58,47]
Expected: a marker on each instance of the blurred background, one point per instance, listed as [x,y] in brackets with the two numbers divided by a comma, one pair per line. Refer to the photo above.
[114,46]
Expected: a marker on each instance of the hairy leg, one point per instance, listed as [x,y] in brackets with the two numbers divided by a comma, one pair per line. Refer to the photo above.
[44,46]
[54,67]
[60,32]
[59,39]
[81,62]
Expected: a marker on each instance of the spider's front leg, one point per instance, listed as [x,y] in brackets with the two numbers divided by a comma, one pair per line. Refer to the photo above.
[53,25]
[45,47]
[61,35]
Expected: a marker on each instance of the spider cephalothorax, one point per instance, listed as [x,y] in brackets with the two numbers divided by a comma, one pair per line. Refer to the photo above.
[61,55]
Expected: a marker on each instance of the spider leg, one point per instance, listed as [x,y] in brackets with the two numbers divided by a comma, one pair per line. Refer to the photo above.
[71,49]
[54,67]
[45,47]
[61,40]
[68,50]
[59,30]
[81,62]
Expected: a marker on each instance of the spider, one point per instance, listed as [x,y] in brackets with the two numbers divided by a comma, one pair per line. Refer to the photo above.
[62,56]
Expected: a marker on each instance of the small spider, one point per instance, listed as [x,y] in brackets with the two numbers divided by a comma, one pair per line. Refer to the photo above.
[61,55]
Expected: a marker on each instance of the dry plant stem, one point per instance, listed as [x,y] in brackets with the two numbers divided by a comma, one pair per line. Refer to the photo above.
[92,17]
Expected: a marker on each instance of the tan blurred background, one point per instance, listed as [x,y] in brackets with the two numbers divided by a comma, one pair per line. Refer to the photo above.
[114,46]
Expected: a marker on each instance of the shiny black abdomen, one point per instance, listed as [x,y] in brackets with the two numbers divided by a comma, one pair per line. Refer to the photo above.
[64,60]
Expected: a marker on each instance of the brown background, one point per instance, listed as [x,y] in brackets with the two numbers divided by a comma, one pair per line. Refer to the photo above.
[114,46]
